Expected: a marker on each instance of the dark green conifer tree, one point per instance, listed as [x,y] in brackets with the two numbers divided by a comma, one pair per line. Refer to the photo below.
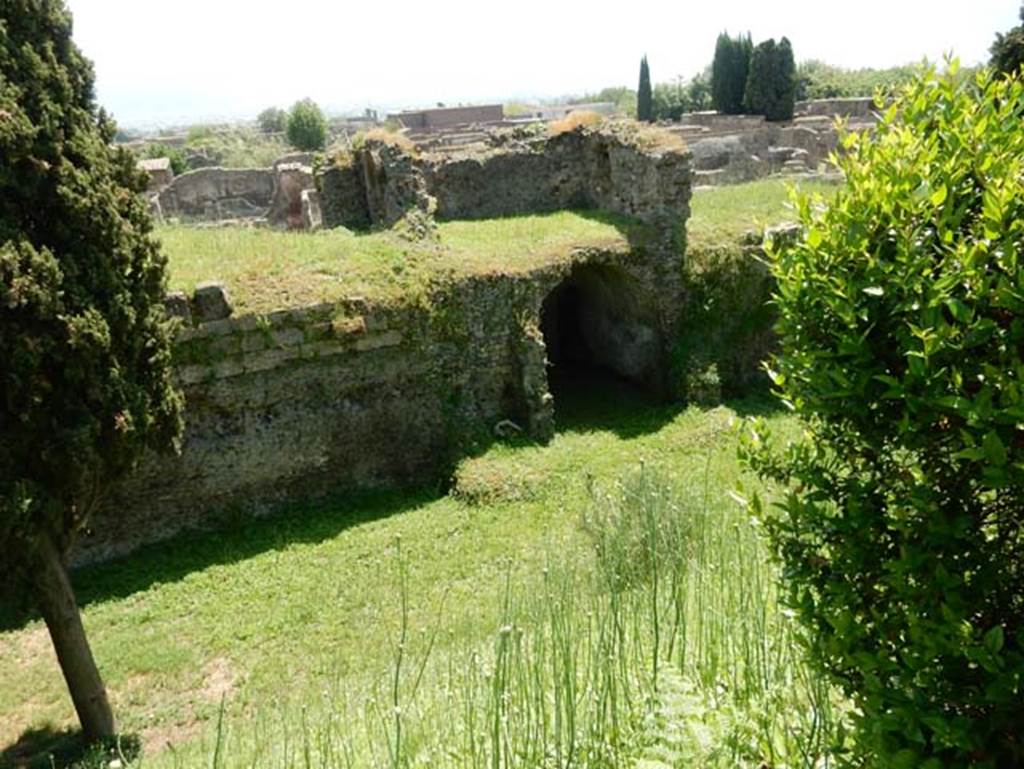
[85,364]
[644,100]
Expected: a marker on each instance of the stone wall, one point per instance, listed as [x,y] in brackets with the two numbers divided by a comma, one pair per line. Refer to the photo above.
[273,195]
[355,394]
[617,167]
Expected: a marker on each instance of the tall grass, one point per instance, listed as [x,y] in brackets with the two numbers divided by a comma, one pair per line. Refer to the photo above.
[667,642]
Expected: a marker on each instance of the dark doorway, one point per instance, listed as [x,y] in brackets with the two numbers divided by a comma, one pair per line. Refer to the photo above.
[603,347]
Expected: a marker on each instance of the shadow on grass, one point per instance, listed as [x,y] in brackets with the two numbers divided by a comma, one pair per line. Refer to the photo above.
[237,539]
[592,399]
[50,748]
[43,747]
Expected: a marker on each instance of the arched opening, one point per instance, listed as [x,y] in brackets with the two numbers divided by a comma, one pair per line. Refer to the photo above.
[602,342]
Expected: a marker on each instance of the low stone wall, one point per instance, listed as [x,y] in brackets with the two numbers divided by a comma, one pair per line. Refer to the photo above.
[272,194]
[355,394]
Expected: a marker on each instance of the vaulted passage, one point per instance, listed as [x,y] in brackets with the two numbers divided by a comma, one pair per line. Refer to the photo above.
[600,339]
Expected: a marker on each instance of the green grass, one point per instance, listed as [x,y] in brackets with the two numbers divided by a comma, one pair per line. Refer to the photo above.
[294,620]
[724,214]
[267,269]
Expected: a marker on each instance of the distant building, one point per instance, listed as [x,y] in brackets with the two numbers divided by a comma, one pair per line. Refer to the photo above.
[160,172]
[440,118]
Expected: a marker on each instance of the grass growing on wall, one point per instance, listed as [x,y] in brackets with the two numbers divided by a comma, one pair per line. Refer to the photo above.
[268,269]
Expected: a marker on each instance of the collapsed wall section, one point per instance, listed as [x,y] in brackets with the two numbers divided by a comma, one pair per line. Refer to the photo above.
[620,168]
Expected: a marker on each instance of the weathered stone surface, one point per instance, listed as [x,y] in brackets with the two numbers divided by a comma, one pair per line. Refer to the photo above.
[219,193]
[610,168]
[160,172]
[312,216]
[177,306]
[291,180]
[210,302]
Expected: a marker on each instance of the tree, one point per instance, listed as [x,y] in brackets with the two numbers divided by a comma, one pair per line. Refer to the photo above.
[729,73]
[85,383]
[901,330]
[1008,50]
[644,111]
[307,126]
[272,120]
[771,83]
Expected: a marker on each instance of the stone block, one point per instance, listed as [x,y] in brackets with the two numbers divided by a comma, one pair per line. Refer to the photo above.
[268,359]
[210,302]
[378,341]
[177,306]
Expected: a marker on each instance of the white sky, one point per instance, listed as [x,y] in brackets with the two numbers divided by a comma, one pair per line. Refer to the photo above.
[174,61]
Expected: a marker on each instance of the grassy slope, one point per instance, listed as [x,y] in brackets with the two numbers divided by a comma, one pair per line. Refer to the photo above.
[280,607]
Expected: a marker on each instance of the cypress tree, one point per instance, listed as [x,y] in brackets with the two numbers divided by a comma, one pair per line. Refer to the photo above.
[771,84]
[644,100]
[729,72]
[85,378]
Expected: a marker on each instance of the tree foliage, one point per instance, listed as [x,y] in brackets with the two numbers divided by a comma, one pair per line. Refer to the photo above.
[729,72]
[85,383]
[901,324]
[817,80]
[672,100]
[771,82]
[307,126]
[1008,49]
[644,111]
[272,120]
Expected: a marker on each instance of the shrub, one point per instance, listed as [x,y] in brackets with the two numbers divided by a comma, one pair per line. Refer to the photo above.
[307,126]
[901,323]
[729,73]
[578,118]
[272,120]
[771,83]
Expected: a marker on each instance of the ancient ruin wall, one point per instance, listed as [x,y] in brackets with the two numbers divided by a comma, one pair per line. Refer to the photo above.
[357,395]
[617,168]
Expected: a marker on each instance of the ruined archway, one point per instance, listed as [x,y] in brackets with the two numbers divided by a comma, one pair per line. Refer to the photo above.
[598,333]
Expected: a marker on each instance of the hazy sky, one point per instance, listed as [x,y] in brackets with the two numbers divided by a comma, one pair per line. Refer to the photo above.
[179,60]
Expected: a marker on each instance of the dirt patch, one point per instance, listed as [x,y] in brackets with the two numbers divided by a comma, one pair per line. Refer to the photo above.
[28,647]
[217,680]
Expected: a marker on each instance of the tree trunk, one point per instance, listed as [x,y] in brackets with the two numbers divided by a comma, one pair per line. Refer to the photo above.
[56,602]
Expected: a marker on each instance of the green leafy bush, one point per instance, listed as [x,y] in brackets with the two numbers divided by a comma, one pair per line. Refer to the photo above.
[307,126]
[901,324]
